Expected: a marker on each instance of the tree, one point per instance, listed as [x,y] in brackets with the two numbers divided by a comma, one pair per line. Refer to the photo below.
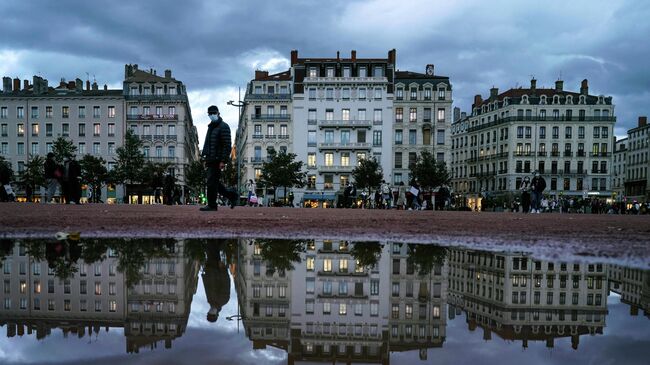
[6,172]
[426,256]
[153,174]
[94,174]
[63,148]
[33,176]
[230,174]
[280,254]
[129,161]
[282,170]
[368,174]
[195,178]
[367,253]
[430,173]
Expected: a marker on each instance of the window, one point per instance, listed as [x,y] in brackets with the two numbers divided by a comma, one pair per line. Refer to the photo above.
[399,94]
[399,115]
[377,93]
[312,93]
[398,136]
[440,137]
[377,115]
[441,115]
[412,136]
[362,93]
[111,129]
[97,128]
[413,115]
[97,112]
[311,159]
[376,138]
[111,112]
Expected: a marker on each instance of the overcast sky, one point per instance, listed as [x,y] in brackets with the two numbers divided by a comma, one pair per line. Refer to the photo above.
[215,46]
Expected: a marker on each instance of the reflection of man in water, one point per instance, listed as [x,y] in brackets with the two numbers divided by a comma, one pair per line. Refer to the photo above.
[216,280]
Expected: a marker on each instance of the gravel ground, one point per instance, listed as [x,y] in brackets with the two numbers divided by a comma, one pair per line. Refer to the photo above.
[607,238]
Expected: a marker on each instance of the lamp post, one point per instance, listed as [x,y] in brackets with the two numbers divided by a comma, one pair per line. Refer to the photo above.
[239,104]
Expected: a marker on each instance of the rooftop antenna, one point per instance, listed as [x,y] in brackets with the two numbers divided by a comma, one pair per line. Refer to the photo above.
[94,78]
[87,76]
[560,75]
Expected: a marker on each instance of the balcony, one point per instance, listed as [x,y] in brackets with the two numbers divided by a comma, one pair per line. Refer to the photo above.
[270,136]
[568,154]
[580,154]
[152,117]
[270,117]
[555,153]
[334,169]
[337,80]
[344,146]
[601,154]
[258,136]
[541,119]
[312,121]
[146,137]
[344,123]
[257,160]
[162,159]
[377,122]
[268,97]
[156,97]
[541,154]
[283,136]
[523,153]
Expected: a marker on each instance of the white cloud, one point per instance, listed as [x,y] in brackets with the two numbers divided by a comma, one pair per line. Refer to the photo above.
[200,100]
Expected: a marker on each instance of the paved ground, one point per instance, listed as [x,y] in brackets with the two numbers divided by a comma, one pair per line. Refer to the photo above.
[607,237]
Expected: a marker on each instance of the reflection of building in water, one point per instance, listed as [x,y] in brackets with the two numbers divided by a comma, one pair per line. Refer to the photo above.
[264,297]
[417,302]
[34,299]
[159,304]
[633,285]
[338,307]
[519,298]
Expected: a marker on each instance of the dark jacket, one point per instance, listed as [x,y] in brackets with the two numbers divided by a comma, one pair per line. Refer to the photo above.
[216,147]
[538,184]
[50,167]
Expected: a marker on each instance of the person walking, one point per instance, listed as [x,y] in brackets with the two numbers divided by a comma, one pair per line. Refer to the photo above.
[537,186]
[525,195]
[386,194]
[168,189]
[51,173]
[71,184]
[401,196]
[216,151]
[250,185]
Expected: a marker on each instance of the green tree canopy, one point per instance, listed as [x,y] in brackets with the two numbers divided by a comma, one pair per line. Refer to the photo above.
[281,254]
[368,174]
[94,173]
[6,172]
[33,175]
[153,174]
[63,148]
[130,161]
[426,256]
[367,253]
[282,170]
[429,172]
[195,177]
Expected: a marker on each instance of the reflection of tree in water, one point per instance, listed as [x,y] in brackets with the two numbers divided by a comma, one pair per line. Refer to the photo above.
[6,249]
[367,253]
[63,256]
[280,255]
[425,256]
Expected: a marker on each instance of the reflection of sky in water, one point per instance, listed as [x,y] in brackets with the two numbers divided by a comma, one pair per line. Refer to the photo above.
[626,340]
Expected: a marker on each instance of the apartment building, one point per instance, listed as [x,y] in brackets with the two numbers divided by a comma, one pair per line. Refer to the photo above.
[422,119]
[633,285]
[158,112]
[618,169]
[522,299]
[636,166]
[33,116]
[566,136]
[98,295]
[266,123]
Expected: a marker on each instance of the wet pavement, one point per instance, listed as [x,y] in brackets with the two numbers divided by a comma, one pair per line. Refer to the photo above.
[251,301]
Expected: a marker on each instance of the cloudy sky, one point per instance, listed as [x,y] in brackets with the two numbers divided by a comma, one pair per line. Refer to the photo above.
[215,46]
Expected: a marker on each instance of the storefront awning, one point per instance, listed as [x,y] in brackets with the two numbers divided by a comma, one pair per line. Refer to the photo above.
[318,196]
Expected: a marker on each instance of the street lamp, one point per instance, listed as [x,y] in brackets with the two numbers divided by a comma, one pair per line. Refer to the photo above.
[239,104]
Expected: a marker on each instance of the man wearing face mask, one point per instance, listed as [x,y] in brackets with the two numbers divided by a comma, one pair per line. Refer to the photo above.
[215,153]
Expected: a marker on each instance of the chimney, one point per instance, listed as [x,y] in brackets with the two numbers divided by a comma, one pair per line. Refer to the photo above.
[25,85]
[392,56]
[643,121]
[584,87]
[494,92]
[294,57]
[353,55]
[533,84]
[338,55]
[550,343]
[154,72]
[105,87]
[87,85]
[261,74]
[6,84]
[95,87]
[16,84]
[559,85]
[429,67]
[478,100]
[78,85]
[36,82]
[71,85]
[168,74]
[456,113]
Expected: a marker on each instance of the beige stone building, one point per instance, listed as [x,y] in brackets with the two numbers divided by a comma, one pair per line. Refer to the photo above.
[636,166]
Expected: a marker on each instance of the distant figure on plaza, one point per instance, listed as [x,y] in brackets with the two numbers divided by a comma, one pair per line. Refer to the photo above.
[215,280]
[70,185]
[52,173]
[386,194]
[401,196]
[525,195]
[291,198]
[168,189]
[415,192]
[251,187]
[216,151]
[537,186]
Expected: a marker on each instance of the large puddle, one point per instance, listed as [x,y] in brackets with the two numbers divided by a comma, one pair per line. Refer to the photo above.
[256,301]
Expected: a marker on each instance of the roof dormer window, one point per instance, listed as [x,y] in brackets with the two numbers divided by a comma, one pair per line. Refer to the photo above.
[569,100]
[542,100]
[524,99]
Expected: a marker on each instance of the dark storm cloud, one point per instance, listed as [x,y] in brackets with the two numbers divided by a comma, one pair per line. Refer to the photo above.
[216,44]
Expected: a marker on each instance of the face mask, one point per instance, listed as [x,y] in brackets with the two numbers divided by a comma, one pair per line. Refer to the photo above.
[214,117]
